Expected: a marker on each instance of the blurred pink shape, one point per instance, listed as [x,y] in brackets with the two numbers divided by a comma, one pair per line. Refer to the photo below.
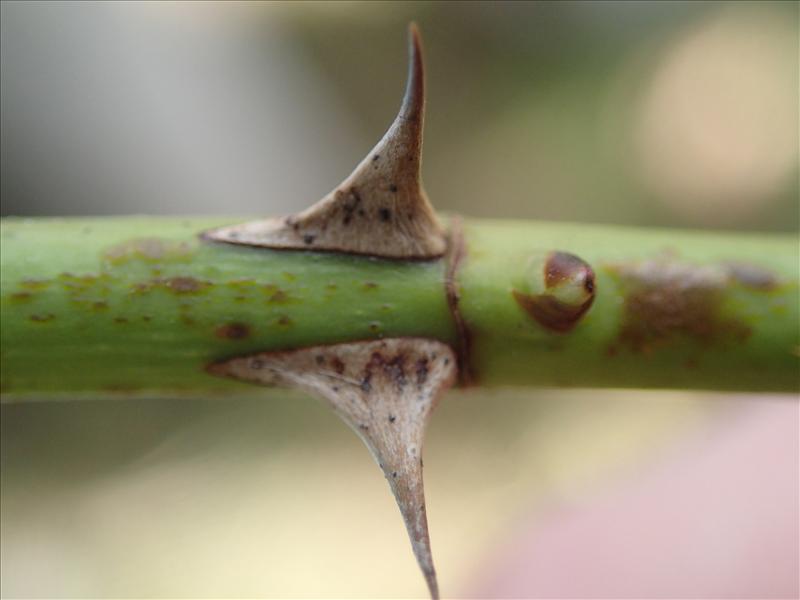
[717,519]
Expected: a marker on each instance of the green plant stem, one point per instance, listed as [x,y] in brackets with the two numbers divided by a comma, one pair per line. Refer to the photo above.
[131,306]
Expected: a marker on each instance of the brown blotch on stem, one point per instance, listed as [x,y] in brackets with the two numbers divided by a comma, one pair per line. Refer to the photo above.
[233,331]
[385,391]
[567,292]
[380,210]
[666,300]
[184,285]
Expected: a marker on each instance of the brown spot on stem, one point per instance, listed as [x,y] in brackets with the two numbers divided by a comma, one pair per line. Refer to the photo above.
[665,300]
[185,285]
[233,331]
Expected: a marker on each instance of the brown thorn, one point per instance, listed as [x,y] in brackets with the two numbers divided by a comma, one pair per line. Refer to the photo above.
[385,390]
[380,210]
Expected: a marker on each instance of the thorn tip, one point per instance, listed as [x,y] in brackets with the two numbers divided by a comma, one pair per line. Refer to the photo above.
[413,106]
[385,390]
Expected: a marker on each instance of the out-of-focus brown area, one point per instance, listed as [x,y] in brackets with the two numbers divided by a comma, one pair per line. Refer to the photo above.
[645,113]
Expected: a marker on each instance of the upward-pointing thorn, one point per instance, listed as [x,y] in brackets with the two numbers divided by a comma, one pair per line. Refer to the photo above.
[380,210]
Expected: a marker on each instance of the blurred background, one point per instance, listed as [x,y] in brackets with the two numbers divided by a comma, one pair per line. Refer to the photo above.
[642,113]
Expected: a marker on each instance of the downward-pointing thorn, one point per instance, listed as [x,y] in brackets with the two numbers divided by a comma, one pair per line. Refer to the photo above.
[389,415]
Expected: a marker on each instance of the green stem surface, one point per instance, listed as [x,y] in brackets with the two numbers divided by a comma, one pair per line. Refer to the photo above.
[131,306]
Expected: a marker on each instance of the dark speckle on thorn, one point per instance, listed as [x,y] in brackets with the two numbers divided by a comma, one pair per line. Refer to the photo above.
[337,365]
